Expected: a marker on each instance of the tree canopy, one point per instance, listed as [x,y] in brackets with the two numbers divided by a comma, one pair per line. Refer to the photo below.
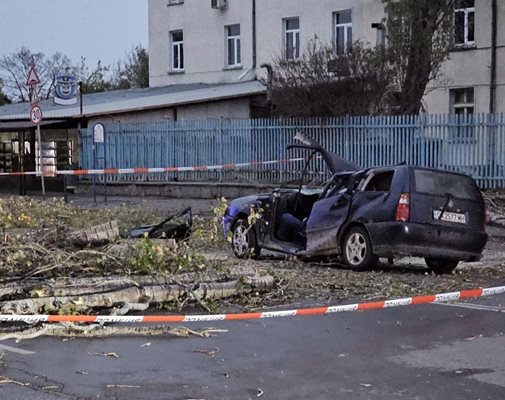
[368,79]
[3,97]
[14,68]
[133,72]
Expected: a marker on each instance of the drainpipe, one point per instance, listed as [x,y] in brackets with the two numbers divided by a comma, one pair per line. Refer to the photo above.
[492,90]
[254,34]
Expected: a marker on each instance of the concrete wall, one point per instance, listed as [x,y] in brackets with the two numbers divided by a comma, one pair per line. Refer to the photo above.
[237,108]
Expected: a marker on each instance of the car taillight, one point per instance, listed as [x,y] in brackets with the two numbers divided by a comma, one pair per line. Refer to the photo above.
[403,208]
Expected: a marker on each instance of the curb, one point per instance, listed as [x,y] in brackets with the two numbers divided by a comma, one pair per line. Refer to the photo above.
[376,305]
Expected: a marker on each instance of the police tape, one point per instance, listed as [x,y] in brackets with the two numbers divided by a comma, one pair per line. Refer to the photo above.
[119,171]
[376,305]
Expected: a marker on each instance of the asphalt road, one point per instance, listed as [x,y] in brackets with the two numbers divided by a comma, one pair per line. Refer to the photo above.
[414,352]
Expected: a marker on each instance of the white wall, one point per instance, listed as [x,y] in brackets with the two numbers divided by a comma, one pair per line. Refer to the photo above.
[204,40]
[316,18]
[204,33]
[471,67]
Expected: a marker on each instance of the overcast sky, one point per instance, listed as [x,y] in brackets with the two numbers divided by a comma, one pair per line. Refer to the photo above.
[97,29]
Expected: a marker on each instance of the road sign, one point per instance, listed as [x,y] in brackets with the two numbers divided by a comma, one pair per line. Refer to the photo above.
[34,97]
[36,114]
[98,133]
[33,78]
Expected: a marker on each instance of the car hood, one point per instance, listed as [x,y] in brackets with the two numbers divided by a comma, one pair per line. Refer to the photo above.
[334,162]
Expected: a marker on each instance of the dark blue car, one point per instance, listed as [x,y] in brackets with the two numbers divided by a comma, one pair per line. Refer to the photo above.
[362,215]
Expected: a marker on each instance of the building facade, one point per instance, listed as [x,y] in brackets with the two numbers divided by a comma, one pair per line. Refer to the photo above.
[225,41]
[472,80]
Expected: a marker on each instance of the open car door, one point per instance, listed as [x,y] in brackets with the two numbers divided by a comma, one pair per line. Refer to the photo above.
[327,216]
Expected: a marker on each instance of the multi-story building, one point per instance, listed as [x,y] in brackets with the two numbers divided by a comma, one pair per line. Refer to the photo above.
[225,41]
[473,78]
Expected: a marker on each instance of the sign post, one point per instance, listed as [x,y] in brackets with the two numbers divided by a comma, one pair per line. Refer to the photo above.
[36,117]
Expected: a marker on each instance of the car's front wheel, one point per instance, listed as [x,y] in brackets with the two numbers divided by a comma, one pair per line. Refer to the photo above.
[441,265]
[357,249]
[243,241]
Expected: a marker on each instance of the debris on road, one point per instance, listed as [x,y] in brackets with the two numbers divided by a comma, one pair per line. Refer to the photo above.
[67,330]
[43,271]
[178,231]
[96,235]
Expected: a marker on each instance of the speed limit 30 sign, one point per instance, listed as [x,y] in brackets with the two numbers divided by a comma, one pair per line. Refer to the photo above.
[36,114]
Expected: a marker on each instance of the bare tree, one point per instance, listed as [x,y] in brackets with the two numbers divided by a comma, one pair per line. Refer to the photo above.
[14,69]
[321,83]
[133,72]
[420,35]
[93,79]
[368,80]
[3,97]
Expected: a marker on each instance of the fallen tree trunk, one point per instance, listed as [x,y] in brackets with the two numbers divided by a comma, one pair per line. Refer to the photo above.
[98,330]
[93,285]
[157,294]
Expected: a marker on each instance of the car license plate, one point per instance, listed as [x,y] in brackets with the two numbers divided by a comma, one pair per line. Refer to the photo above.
[450,217]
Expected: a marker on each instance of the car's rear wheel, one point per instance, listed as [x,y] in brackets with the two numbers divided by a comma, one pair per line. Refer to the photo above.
[243,241]
[357,250]
[441,265]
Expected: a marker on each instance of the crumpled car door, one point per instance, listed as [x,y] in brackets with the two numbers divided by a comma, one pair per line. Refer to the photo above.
[324,222]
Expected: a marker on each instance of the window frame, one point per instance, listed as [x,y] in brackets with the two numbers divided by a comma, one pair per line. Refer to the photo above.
[177,49]
[462,133]
[462,105]
[466,12]
[346,27]
[233,42]
[292,54]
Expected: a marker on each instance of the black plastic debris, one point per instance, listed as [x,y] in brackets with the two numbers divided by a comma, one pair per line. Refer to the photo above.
[178,230]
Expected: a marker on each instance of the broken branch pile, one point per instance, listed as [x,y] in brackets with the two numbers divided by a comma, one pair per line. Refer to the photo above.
[52,260]
[495,202]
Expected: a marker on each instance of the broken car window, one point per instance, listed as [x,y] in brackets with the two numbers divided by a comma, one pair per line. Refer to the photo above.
[338,183]
[380,182]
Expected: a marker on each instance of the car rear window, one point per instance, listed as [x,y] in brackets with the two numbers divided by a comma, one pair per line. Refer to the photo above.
[441,183]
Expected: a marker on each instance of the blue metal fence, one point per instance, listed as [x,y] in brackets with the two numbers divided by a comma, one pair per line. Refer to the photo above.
[474,144]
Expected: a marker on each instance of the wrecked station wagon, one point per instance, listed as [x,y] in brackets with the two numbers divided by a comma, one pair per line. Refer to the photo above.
[361,215]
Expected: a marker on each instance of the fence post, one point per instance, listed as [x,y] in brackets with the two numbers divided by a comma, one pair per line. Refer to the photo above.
[490,170]
[221,157]
[347,146]
[422,124]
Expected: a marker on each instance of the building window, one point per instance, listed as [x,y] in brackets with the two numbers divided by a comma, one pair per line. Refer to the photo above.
[292,38]
[343,31]
[233,45]
[462,105]
[177,56]
[464,22]
[462,101]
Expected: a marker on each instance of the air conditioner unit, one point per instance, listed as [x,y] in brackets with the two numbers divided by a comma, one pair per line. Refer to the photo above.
[219,4]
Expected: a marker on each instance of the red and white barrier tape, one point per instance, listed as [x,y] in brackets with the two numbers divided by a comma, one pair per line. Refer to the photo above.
[429,299]
[118,171]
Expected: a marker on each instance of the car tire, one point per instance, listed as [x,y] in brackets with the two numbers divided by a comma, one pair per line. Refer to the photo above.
[441,265]
[243,240]
[357,250]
